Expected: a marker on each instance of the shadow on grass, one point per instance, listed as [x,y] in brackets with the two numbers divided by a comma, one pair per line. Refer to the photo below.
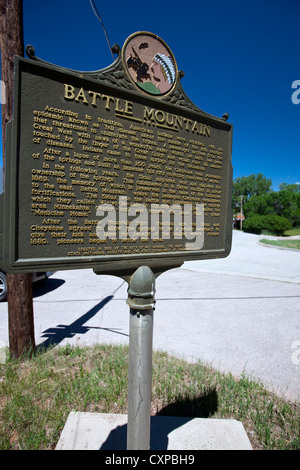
[201,406]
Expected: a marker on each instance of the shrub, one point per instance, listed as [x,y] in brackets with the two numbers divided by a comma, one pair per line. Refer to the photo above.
[273,223]
[254,224]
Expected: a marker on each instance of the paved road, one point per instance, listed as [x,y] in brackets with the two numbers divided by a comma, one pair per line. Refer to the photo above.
[240,314]
[249,258]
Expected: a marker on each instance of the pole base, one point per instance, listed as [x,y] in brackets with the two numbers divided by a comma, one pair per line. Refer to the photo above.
[101,431]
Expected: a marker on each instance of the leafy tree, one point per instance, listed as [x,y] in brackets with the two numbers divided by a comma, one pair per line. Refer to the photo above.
[252,185]
[290,187]
[259,205]
[260,200]
[282,203]
[248,187]
[287,204]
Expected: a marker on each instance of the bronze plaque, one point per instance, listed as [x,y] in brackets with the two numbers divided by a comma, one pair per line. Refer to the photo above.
[114,169]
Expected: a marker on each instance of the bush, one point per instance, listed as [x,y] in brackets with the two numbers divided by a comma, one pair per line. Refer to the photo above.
[254,224]
[273,223]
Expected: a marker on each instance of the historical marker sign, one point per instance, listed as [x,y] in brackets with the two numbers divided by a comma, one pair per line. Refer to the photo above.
[115,168]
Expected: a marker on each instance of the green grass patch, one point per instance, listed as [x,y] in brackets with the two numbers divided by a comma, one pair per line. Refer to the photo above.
[295,244]
[38,393]
[293,232]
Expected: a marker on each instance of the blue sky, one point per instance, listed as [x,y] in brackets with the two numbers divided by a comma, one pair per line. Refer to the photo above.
[238,57]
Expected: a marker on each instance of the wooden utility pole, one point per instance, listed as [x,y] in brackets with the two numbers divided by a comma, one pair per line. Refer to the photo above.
[241,213]
[19,286]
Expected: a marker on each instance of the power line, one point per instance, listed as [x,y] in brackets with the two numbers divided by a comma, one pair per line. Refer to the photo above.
[99,18]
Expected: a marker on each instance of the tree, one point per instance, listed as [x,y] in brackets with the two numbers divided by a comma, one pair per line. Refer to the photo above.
[287,204]
[245,188]
[295,188]
[282,203]
[259,205]
[252,185]
[248,187]
[259,199]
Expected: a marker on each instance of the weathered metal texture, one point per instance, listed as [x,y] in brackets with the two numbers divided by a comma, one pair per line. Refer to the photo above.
[84,142]
[139,380]
[141,289]
[141,301]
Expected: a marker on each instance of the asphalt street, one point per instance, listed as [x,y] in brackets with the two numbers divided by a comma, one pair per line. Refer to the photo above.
[240,314]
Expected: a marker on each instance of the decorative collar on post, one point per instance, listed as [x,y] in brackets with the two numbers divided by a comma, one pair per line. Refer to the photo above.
[141,289]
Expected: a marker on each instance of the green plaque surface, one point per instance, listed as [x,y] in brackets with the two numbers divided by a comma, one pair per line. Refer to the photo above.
[104,171]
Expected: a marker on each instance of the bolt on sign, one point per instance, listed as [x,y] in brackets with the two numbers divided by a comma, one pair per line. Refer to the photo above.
[113,169]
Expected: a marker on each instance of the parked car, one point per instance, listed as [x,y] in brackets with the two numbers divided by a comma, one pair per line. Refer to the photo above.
[35,277]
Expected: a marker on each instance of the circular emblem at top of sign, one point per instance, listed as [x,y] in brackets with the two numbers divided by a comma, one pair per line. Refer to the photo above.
[149,63]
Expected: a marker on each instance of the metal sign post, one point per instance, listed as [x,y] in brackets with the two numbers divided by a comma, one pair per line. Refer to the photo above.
[141,301]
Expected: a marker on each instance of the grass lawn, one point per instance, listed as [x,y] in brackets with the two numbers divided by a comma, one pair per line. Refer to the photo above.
[282,243]
[293,232]
[37,393]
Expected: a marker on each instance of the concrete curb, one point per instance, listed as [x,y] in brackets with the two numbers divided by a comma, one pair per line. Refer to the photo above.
[278,247]
[101,431]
